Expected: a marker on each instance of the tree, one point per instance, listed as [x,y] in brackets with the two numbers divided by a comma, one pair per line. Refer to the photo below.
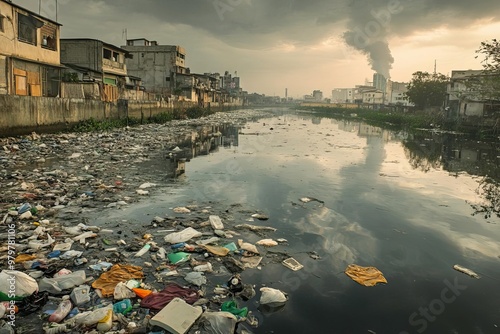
[427,89]
[488,85]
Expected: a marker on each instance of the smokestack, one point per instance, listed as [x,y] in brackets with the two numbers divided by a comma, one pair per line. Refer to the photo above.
[286,93]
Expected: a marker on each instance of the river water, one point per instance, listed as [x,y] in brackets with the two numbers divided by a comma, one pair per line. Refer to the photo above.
[401,202]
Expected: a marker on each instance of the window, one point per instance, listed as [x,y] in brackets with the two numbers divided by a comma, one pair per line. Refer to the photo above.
[107,54]
[1,23]
[49,39]
[27,27]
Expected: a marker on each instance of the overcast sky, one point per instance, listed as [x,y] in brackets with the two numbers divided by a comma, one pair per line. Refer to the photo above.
[296,44]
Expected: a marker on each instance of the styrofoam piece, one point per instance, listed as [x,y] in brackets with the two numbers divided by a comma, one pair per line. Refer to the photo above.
[292,264]
[177,317]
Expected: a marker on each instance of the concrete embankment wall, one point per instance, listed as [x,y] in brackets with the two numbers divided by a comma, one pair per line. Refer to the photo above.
[24,114]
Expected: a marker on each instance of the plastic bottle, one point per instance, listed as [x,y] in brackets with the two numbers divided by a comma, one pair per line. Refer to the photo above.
[61,312]
[178,245]
[23,208]
[143,250]
[55,253]
[93,317]
[105,323]
[123,306]
[203,267]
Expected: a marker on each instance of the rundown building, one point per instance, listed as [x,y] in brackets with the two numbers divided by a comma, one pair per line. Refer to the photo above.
[29,52]
[95,60]
[200,88]
[463,100]
[156,64]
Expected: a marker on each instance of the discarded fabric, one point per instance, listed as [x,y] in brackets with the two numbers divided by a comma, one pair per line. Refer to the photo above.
[158,300]
[118,273]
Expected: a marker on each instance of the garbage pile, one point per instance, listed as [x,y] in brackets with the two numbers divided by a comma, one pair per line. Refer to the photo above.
[87,279]
[61,274]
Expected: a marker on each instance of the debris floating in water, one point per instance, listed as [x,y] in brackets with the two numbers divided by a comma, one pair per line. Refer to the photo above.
[310,199]
[466,271]
[255,227]
[260,216]
[367,276]
[293,264]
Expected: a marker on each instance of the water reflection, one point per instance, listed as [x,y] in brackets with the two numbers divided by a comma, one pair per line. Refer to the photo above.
[454,153]
[202,141]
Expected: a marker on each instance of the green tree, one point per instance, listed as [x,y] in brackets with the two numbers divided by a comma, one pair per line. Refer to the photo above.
[427,89]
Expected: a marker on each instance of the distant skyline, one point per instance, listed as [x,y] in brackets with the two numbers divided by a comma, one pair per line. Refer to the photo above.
[302,46]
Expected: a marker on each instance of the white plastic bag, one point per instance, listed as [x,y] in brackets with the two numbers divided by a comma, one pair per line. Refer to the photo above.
[267,242]
[247,246]
[23,284]
[272,296]
[218,322]
[123,292]
[182,236]
[196,278]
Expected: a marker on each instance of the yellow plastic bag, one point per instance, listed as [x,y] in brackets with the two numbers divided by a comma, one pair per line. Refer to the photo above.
[367,276]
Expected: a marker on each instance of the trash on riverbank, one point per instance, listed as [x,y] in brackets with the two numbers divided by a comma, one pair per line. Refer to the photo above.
[101,278]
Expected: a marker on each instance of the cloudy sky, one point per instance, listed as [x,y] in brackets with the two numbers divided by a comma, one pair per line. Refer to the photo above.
[296,44]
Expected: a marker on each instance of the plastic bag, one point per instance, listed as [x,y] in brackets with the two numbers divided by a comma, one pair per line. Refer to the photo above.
[272,296]
[247,246]
[217,322]
[23,284]
[122,292]
[182,236]
[267,242]
[196,278]
[231,307]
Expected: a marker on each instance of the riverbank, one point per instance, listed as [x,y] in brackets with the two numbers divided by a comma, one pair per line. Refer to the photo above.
[478,128]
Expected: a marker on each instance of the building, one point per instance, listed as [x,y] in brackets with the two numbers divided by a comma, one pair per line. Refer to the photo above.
[379,82]
[200,88]
[463,97]
[95,60]
[156,64]
[231,84]
[29,52]
[395,94]
[317,95]
[343,95]
[372,97]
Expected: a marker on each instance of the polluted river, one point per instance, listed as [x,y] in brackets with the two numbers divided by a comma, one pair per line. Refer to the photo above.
[297,224]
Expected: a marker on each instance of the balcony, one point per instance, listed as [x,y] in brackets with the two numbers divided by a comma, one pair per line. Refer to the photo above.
[114,66]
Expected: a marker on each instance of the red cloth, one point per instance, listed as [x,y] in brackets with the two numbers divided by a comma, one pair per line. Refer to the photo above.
[157,301]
